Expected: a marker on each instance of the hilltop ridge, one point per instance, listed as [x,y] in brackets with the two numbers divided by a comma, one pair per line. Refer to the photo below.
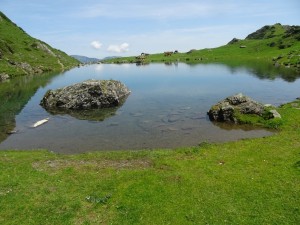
[271,31]
[21,54]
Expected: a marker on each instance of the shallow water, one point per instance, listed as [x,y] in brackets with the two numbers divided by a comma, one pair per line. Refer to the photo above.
[167,108]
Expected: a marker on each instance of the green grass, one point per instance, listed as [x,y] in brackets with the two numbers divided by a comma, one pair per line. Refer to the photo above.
[252,181]
[265,120]
[20,54]
[274,47]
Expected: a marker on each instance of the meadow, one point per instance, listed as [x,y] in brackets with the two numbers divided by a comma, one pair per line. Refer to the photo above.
[251,181]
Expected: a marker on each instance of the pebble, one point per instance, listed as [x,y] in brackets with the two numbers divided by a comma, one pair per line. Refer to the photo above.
[12,132]
[138,114]
[199,117]
[113,124]
[173,119]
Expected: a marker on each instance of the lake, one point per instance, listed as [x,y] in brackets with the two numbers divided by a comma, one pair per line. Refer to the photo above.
[166,108]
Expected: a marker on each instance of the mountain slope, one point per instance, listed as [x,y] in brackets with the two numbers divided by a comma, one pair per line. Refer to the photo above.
[84,59]
[20,54]
[279,44]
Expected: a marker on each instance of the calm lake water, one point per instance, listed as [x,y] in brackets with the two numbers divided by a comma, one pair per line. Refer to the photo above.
[167,107]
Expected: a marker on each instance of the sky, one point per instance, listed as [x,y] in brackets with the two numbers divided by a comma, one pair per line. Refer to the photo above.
[101,28]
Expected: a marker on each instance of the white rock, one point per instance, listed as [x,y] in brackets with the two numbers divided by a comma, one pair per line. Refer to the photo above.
[275,114]
[40,122]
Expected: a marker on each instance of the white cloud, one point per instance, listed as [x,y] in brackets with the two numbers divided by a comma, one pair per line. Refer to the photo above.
[118,48]
[96,45]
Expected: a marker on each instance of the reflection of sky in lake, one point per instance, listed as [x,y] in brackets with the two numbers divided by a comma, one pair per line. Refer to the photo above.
[167,108]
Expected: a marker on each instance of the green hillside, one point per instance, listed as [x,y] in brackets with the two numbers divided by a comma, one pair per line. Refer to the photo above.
[277,43]
[20,54]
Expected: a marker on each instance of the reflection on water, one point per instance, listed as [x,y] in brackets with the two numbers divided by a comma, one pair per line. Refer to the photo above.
[14,95]
[167,107]
[264,71]
[229,126]
[91,115]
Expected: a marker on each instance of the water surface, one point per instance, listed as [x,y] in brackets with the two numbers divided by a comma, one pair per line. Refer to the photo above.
[166,109]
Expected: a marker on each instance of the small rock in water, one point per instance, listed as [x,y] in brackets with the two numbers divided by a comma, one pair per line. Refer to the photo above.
[168,129]
[113,125]
[138,114]
[12,132]
[40,122]
[197,117]
[187,128]
[185,108]
[173,118]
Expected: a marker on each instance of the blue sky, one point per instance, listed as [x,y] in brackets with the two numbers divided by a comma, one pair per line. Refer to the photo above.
[128,27]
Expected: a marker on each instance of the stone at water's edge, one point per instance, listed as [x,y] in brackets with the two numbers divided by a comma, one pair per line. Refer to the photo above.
[225,109]
[4,77]
[90,94]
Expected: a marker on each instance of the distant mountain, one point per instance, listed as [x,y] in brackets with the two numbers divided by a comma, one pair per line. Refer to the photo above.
[21,54]
[110,57]
[84,59]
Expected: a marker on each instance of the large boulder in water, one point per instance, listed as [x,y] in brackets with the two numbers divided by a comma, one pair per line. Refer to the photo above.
[227,109]
[90,94]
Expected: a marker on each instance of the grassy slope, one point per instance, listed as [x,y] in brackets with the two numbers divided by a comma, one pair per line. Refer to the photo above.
[275,42]
[17,47]
[253,181]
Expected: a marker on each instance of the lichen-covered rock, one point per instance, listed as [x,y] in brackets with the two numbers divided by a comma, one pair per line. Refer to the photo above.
[4,77]
[226,109]
[90,94]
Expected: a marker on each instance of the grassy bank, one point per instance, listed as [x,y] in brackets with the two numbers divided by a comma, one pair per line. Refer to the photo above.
[253,181]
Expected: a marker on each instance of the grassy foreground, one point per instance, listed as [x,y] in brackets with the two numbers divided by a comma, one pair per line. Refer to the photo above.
[253,181]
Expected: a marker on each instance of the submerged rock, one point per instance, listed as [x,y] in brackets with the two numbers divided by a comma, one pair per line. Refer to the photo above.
[227,109]
[90,94]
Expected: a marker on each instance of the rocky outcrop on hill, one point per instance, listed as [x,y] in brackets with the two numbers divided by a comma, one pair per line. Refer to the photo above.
[234,40]
[4,77]
[270,31]
[227,109]
[90,94]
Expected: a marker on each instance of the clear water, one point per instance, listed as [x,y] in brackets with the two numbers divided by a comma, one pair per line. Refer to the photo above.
[166,109]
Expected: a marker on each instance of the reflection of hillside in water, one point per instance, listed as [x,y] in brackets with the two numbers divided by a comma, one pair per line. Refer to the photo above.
[91,115]
[14,95]
[261,70]
[265,71]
